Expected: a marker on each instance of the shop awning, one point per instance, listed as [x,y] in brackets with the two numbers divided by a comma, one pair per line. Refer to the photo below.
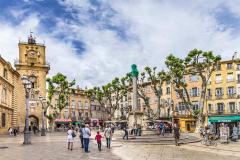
[77,122]
[63,121]
[224,119]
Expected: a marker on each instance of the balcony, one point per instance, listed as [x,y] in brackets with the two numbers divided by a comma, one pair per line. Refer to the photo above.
[218,81]
[209,97]
[230,80]
[219,96]
[232,96]
[223,112]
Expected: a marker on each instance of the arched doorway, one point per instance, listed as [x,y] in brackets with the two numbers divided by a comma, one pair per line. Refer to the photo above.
[33,122]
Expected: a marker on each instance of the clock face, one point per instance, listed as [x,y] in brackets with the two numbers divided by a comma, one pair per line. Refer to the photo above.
[32,53]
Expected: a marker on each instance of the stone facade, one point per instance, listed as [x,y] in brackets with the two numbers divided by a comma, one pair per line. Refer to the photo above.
[10,81]
[79,108]
[32,62]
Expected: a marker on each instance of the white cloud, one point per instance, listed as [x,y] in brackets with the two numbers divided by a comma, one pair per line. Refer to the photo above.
[154,29]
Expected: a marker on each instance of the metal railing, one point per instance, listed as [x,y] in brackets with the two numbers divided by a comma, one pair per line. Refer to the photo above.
[224,112]
[219,96]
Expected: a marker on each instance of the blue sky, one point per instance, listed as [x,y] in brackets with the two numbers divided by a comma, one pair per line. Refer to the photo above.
[94,41]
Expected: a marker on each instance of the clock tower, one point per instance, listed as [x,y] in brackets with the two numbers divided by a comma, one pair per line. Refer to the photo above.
[32,62]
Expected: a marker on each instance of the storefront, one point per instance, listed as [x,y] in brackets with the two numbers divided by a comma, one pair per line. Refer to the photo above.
[186,124]
[62,123]
[231,121]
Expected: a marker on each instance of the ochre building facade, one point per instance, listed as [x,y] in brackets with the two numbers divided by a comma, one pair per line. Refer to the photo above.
[31,62]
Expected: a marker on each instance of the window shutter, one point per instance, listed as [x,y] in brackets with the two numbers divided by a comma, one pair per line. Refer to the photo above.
[198,91]
[191,91]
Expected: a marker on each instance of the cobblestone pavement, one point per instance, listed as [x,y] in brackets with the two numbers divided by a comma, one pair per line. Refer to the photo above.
[231,149]
[53,147]
[155,139]
[166,152]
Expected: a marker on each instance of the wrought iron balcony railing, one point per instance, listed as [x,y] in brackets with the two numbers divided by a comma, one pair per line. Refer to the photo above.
[220,96]
[224,112]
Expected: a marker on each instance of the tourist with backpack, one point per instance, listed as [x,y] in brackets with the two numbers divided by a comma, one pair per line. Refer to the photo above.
[70,137]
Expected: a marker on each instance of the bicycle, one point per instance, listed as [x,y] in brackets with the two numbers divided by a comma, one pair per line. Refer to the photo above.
[209,141]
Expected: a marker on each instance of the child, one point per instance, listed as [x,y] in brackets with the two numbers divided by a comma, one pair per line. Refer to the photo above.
[98,138]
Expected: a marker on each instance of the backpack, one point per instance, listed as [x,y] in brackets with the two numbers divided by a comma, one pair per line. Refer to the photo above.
[73,134]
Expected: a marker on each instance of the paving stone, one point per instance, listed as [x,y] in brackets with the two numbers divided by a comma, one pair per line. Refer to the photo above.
[54,147]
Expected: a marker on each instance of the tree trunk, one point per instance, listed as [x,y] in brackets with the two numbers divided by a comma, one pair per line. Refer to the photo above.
[159,107]
[200,117]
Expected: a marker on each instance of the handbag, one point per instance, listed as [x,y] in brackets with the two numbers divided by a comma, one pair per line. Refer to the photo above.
[73,134]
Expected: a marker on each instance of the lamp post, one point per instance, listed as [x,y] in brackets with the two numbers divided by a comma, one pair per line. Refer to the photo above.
[27,86]
[43,130]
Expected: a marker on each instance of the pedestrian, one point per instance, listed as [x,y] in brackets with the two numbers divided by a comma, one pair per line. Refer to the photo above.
[10,131]
[160,128]
[15,131]
[163,129]
[70,137]
[176,133]
[139,130]
[86,135]
[34,129]
[108,135]
[113,128]
[81,135]
[125,133]
[135,130]
[99,141]
[234,134]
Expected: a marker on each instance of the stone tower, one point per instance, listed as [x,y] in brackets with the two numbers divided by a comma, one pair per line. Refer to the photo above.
[32,62]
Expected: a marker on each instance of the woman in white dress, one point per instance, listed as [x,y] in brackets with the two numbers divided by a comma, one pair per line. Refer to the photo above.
[70,133]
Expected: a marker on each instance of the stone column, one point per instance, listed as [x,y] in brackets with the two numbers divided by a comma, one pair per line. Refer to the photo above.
[135,95]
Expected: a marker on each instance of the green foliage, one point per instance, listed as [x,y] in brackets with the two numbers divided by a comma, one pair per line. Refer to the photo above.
[177,72]
[58,85]
[156,79]
[117,88]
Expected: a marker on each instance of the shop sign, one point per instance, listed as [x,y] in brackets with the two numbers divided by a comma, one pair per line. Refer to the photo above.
[224,134]
[225,120]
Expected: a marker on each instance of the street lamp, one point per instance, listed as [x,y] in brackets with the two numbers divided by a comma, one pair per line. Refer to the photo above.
[27,86]
[43,130]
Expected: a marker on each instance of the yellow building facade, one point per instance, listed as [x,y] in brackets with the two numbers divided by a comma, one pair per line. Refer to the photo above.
[32,62]
[223,95]
[9,98]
